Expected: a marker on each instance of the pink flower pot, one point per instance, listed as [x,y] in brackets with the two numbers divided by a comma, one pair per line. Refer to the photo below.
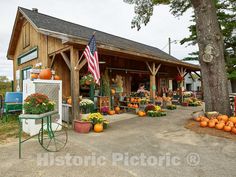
[82,126]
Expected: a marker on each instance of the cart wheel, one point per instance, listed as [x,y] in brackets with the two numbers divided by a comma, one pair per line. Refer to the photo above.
[53,140]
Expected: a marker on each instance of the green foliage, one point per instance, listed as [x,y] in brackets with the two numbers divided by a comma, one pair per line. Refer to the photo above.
[105,89]
[37,104]
[5,85]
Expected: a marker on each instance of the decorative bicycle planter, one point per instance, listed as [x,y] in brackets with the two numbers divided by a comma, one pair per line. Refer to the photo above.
[52,136]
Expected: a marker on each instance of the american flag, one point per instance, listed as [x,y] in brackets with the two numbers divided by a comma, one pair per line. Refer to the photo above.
[91,55]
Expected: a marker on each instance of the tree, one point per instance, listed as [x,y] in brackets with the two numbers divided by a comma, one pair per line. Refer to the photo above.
[210,43]
[5,85]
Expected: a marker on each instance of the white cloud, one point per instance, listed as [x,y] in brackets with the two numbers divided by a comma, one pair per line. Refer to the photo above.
[112,16]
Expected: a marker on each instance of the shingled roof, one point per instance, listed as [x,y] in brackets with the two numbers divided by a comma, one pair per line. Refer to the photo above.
[52,24]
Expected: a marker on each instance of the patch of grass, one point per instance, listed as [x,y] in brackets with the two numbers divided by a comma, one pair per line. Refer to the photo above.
[9,129]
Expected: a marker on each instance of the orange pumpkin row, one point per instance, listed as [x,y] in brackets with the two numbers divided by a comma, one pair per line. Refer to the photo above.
[220,125]
[132,105]
[135,100]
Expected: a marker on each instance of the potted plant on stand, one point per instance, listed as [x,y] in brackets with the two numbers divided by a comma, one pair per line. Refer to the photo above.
[84,125]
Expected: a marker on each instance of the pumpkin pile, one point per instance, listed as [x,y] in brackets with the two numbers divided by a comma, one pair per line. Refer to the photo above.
[221,122]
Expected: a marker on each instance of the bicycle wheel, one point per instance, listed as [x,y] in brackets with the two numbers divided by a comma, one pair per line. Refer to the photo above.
[53,140]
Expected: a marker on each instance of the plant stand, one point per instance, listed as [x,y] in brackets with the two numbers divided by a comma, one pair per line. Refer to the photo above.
[52,136]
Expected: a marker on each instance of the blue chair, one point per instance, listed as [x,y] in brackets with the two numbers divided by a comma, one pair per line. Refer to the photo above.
[13,103]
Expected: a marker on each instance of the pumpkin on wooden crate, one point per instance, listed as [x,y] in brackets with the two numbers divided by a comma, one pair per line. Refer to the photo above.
[45,74]
[98,128]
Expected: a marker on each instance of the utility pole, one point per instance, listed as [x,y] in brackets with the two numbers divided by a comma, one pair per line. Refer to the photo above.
[169,42]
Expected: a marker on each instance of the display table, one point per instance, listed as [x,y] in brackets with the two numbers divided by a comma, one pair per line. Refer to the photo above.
[48,136]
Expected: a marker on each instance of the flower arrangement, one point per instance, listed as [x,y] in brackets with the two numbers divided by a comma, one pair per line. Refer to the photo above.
[86,105]
[87,79]
[38,103]
[96,118]
[105,110]
[150,107]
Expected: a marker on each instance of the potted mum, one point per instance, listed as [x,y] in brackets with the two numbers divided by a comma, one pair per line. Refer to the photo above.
[38,103]
[84,125]
[98,122]
[86,106]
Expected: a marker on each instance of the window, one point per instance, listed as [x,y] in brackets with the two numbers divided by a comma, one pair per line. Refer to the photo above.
[25,74]
[26,35]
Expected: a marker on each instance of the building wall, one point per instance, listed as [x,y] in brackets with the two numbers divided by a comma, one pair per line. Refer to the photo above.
[45,45]
[194,84]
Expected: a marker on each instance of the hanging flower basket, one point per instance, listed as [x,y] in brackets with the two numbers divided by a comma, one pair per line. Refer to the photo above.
[179,78]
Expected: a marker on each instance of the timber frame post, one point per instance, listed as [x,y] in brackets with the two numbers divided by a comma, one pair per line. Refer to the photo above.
[153,70]
[74,56]
[182,73]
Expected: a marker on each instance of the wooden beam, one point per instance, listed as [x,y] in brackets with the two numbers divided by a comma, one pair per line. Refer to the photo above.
[157,69]
[74,57]
[149,67]
[82,64]
[60,50]
[53,59]
[66,59]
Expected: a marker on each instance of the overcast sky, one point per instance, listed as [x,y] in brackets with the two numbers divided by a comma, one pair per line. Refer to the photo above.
[112,16]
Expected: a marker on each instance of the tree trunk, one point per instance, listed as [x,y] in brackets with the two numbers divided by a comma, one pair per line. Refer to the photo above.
[211,54]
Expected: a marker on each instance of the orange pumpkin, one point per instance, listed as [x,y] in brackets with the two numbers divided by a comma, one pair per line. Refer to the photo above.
[205,119]
[34,76]
[129,105]
[135,106]
[223,117]
[211,124]
[69,101]
[141,113]
[98,128]
[56,77]
[117,109]
[219,126]
[202,118]
[229,123]
[198,119]
[233,119]
[233,130]
[113,91]
[215,120]
[111,112]
[45,74]
[227,128]
[131,100]
[203,123]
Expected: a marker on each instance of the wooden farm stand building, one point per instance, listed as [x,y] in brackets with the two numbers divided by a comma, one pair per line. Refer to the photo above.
[58,44]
